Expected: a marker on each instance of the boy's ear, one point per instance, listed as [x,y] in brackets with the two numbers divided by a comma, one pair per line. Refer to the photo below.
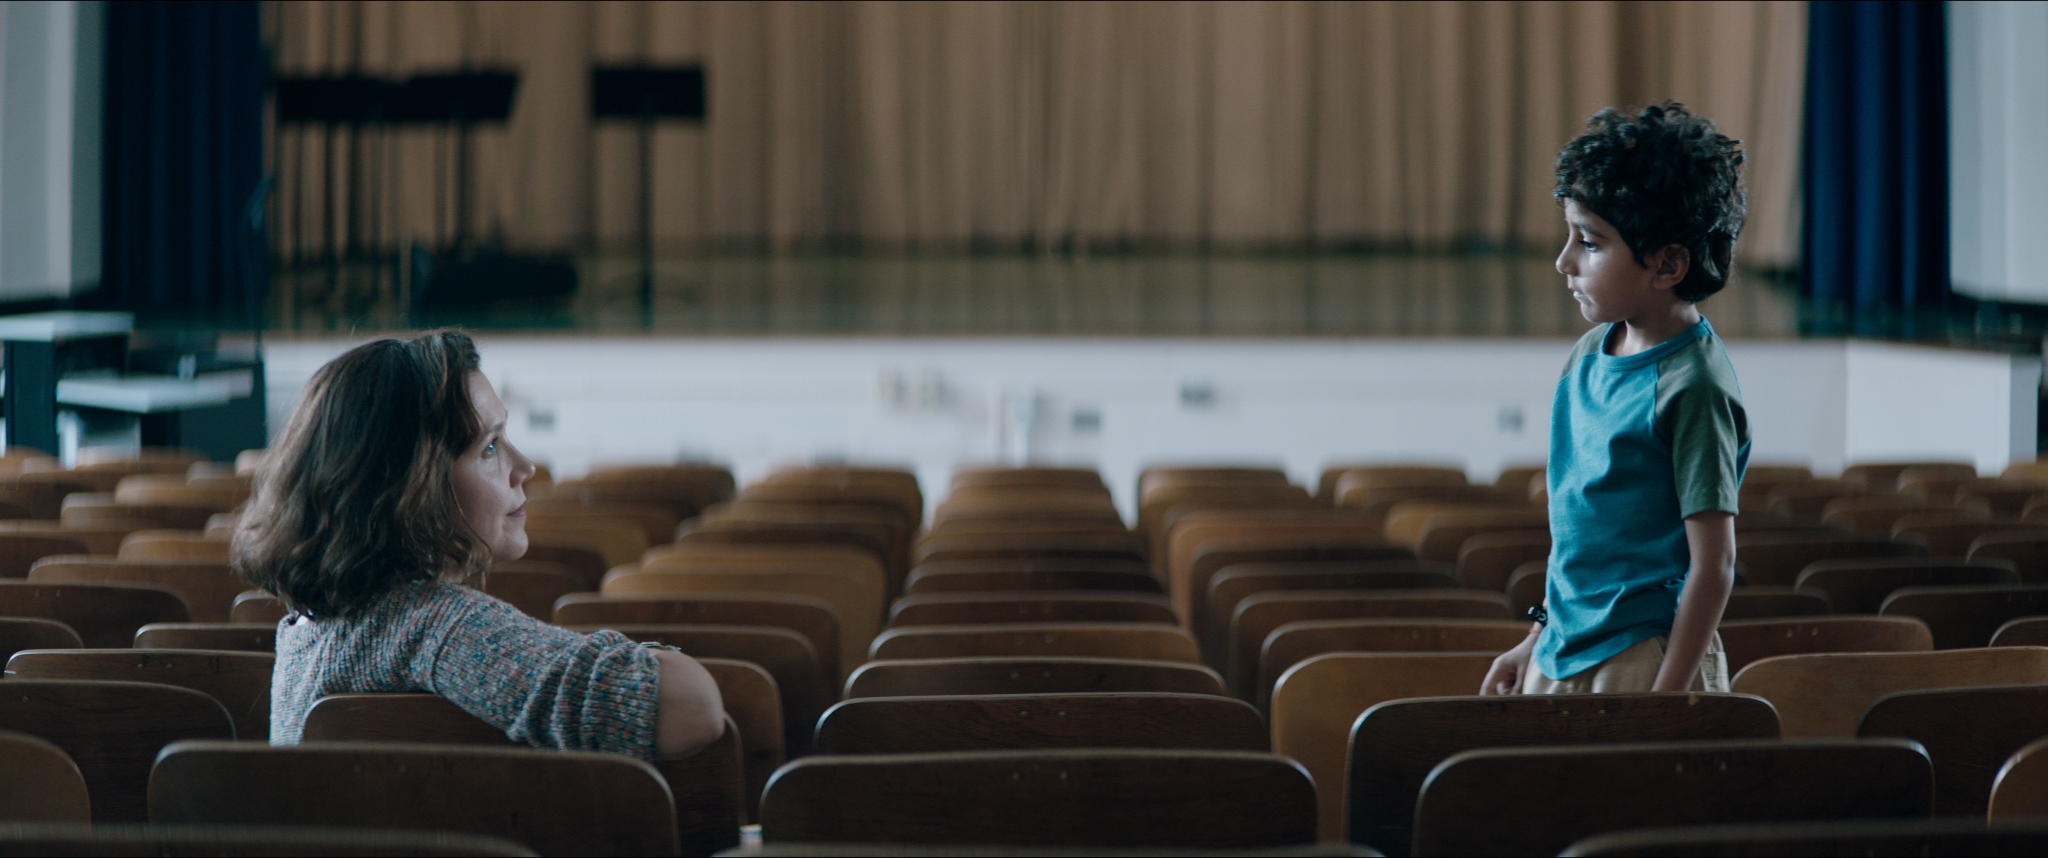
[1671,263]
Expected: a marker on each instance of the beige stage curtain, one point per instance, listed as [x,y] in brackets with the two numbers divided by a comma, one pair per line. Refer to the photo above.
[943,125]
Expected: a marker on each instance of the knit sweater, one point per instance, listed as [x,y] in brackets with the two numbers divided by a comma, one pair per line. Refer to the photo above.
[543,685]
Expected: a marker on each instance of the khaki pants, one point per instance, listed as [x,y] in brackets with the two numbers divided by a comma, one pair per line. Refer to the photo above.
[1631,670]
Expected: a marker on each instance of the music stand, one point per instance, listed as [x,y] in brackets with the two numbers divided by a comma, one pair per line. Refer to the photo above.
[644,94]
[350,100]
[460,99]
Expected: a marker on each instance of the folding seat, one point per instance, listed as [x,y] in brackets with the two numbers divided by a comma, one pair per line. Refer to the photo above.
[1526,588]
[1852,837]
[619,542]
[2025,631]
[655,521]
[814,619]
[209,589]
[42,783]
[1337,479]
[1109,543]
[1936,483]
[1442,537]
[855,599]
[1486,560]
[1231,585]
[838,483]
[1029,476]
[103,615]
[280,840]
[1202,547]
[879,529]
[995,722]
[1758,603]
[179,490]
[2021,787]
[1825,695]
[685,489]
[553,802]
[1746,641]
[87,508]
[256,606]
[1316,702]
[1258,615]
[1884,476]
[584,561]
[1174,799]
[1040,606]
[1395,745]
[970,576]
[112,730]
[1297,642]
[1178,500]
[1026,675]
[1967,732]
[1143,641]
[1520,479]
[240,681]
[2027,550]
[103,538]
[803,684]
[1860,586]
[244,637]
[2007,498]
[1375,501]
[532,586]
[20,551]
[173,546]
[1877,515]
[1537,801]
[1160,476]
[20,633]
[1054,503]
[1966,616]
[1950,533]
[1776,559]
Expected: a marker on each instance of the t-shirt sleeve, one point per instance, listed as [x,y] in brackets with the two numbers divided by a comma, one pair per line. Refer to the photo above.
[547,686]
[1701,416]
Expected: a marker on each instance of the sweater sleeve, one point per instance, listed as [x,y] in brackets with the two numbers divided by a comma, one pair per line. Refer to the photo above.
[544,685]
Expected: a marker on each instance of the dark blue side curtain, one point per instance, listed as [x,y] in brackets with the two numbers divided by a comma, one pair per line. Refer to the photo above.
[1877,158]
[184,158]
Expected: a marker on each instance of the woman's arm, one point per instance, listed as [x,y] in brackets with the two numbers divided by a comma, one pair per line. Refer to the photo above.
[690,713]
[1710,539]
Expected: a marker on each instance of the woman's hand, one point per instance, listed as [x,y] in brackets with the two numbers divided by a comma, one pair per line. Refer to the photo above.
[1506,675]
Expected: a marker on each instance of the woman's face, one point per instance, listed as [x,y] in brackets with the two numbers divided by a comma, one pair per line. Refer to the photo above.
[490,478]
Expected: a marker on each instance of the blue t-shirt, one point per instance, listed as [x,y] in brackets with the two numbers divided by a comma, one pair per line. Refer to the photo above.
[1637,443]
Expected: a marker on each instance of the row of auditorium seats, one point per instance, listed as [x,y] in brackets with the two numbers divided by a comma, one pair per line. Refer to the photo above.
[1252,665]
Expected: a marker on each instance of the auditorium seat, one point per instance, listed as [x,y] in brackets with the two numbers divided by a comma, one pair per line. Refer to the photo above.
[554,802]
[618,542]
[954,576]
[532,586]
[1860,586]
[1936,483]
[1776,559]
[1966,616]
[1191,570]
[1105,542]
[1259,614]
[1231,585]
[856,600]
[1486,560]
[256,606]
[20,633]
[208,588]
[1030,476]
[244,637]
[876,528]
[1950,534]
[1522,480]
[1526,588]
[1884,476]
[1396,744]
[1757,603]
[112,730]
[912,725]
[587,562]
[291,841]
[753,707]
[1967,732]
[42,784]
[1441,538]
[180,490]
[1407,521]
[1746,641]
[240,681]
[2027,550]
[2021,788]
[1041,606]
[166,544]
[1537,801]
[1854,837]
[1877,515]
[1168,799]
[2006,498]
[656,522]
[1375,500]
[99,539]
[814,619]
[1027,675]
[1315,703]
[1824,695]
[103,615]
[1142,641]
[2024,631]
[802,683]
[1293,643]
[90,508]
[1178,500]
[20,551]
[1336,479]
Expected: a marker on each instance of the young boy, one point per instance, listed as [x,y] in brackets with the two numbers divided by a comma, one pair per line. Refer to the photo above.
[1648,438]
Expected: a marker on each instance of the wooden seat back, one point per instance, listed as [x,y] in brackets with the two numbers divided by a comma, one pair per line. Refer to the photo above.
[1024,675]
[1486,560]
[241,637]
[1316,701]
[913,725]
[1563,795]
[1442,537]
[1776,559]
[2021,788]
[209,589]
[973,576]
[1746,641]
[1854,837]
[855,601]
[1949,533]
[1773,603]
[583,560]
[112,730]
[240,681]
[1045,606]
[1967,732]
[656,521]
[803,685]
[618,542]
[1259,614]
[1825,695]
[1966,616]
[532,586]
[20,633]
[1338,480]
[1143,641]
[1231,585]
[1184,799]
[1884,476]
[103,615]
[1191,582]
[1026,476]
[274,840]
[812,618]
[1395,745]
[173,546]
[2026,549]
[1103,544]
[2025,631]
[20,551]
[1294,643]
[1860,586]
[42,783]
[553,802]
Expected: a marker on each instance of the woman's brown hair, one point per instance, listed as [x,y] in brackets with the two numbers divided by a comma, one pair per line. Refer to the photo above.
[356,496]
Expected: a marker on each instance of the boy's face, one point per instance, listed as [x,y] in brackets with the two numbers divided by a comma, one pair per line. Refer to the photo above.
[1602,272]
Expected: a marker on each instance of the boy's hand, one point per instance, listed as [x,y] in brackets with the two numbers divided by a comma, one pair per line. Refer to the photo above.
[1506,675]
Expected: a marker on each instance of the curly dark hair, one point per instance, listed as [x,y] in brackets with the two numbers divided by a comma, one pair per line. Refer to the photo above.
[357,496]
[1660,178]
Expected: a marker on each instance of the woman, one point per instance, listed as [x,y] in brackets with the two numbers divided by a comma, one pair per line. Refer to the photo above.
[392,483]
